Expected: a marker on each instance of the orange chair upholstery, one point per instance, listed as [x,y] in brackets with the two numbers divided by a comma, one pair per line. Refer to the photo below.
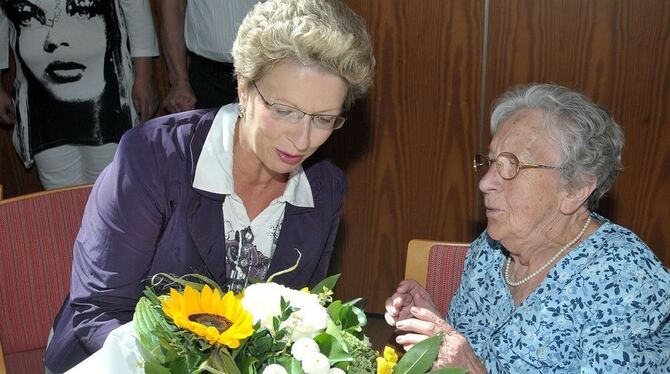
[438,266]
[37,234]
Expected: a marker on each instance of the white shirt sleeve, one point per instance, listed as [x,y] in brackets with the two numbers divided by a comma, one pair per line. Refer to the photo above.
[4,40]
[140,25]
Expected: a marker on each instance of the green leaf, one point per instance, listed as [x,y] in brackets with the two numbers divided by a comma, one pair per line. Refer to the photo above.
[361,320]
[247,364]
[328,283]
[219,362]
[336,331]
[291,365]
[349,318]
[334,311]
[420,358]
[228,363]
[153,367]
[260,345]
[332,348]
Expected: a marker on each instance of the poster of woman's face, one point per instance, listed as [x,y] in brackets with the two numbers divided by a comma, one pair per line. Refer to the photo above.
[63,44]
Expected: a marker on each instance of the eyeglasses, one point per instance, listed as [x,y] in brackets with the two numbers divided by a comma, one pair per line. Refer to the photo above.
[507,164]
[286,113]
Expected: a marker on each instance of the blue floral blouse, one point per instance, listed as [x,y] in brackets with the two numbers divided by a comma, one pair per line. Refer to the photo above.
[603,308]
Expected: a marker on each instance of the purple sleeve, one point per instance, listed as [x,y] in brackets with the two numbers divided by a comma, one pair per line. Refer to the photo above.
[115,246]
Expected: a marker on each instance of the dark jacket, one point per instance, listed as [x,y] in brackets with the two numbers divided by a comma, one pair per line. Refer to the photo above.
[144,217]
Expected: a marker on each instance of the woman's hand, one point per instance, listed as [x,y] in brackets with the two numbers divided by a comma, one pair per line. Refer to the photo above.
[409,294]
[455,350]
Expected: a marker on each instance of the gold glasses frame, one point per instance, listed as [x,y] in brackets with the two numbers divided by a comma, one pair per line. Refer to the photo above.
[482,162]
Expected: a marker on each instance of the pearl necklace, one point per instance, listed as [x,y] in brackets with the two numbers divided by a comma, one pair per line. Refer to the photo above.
[538,271]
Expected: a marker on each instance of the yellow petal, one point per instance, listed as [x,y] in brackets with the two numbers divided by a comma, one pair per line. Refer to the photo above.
[382,366]
[181,306]
[390,355]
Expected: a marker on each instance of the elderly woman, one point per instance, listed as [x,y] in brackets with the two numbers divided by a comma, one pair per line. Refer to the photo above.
[224,192]
[550,286]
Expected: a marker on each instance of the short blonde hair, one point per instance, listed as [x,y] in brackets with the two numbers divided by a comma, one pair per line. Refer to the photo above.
[314,32]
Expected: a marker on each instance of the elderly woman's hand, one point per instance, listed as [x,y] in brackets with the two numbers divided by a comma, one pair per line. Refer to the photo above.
[455,350]
[409,294]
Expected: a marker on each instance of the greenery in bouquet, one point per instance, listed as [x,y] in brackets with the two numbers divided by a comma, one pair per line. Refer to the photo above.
[266,329]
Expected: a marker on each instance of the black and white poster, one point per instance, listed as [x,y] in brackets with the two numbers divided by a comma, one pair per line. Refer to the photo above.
[74,73]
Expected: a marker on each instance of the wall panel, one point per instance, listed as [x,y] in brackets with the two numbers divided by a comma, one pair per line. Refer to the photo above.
[618,53]
[407,149]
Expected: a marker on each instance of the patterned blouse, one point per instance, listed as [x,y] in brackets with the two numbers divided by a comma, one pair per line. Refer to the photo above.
[603,308]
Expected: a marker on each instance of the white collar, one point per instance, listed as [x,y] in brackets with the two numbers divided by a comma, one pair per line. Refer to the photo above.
[214,170]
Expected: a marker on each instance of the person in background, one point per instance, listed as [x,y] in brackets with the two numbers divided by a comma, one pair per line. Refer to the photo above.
[230,193]
[76,90]
[550,286]
[197,38]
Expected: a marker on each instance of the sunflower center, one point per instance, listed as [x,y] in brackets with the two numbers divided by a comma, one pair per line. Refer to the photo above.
[220,322]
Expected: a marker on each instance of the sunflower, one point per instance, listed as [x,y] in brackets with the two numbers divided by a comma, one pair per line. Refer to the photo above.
[219,320]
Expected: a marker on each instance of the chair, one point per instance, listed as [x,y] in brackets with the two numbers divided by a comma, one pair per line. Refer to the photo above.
[438,267]
[3,370]
[37,233]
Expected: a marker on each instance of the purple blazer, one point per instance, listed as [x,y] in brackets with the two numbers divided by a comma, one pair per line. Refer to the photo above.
[144,217]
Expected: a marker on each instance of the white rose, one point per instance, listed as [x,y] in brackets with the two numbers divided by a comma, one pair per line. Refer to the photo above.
[315,363]
[336,371]
[310,318]
[302,347]
[262,301]
[274,369]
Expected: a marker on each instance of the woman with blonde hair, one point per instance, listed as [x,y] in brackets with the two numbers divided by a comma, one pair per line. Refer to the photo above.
[228,193]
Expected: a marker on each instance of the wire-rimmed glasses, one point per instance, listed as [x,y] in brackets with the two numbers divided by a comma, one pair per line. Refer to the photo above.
[507,164]
[287,113]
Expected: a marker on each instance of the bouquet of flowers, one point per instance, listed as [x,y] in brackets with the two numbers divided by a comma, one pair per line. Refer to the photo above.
[267,328]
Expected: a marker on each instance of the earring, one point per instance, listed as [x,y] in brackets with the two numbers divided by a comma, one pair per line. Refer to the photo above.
[240,110]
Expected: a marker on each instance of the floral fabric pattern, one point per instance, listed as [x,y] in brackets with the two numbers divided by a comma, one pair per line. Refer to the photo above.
[603,308]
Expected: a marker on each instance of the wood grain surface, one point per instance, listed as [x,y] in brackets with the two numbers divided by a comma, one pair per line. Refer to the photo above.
[618,53]
[407,148]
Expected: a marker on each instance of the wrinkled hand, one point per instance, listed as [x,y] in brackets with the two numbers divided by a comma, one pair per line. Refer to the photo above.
[7,109]
[409,294]
[145,98]
[455,350]
[180,98]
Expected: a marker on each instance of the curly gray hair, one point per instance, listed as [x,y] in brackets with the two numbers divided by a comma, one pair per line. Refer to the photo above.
[314,32]
[589,139]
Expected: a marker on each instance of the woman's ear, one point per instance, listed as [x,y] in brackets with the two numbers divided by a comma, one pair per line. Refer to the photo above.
[576,196]
[242,91]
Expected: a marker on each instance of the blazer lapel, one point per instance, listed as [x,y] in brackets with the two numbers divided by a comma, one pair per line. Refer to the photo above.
[206,228]
[206,218]
[300,231]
